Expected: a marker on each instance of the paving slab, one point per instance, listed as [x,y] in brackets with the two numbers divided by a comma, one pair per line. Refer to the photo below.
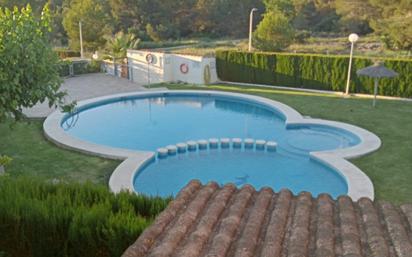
[85,87]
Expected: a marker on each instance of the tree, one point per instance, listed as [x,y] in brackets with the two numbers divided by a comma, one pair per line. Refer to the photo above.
[355,15]
[284,6]
[218,18]
[58,35]
[274,32]
[29,71]
[96,23]
[315,15]
[119,44]
[393,23]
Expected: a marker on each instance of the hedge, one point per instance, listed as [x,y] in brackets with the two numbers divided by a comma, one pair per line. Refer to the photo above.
[64,53]
[324,72]
[44,219]
[82,67]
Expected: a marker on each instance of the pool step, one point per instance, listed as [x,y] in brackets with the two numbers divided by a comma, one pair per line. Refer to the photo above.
[214,143]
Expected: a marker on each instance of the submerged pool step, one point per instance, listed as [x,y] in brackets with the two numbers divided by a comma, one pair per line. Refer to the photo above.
[214,143]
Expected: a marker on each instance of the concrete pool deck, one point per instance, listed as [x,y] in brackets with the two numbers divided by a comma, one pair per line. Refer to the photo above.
[359,185]
[84,87]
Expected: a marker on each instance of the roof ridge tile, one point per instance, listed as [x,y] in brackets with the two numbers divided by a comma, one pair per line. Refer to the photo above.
[147,238]
[396,231]
[374,231]
[276,230]
[349,230]
[250,235]
[298,245]
[325,238]
[229,224]
[207,222]
[406,210]
[176,233]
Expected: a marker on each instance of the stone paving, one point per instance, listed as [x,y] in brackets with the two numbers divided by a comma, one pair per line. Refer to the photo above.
[86,87]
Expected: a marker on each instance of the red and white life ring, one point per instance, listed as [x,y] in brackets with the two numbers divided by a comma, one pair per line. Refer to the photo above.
[149,58]
[184,68]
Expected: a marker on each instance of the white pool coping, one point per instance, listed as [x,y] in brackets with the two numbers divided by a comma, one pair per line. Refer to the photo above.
[359,184]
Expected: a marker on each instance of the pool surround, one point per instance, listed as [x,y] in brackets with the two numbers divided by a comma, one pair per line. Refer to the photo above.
[359,184]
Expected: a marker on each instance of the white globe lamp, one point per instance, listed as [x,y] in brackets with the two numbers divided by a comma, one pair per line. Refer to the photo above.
[352,38]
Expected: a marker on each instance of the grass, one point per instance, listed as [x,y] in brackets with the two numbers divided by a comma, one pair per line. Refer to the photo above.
[33,155]
[390,168]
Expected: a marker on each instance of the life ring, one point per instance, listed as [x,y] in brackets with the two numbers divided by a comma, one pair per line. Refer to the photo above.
[149,58]
[184,68]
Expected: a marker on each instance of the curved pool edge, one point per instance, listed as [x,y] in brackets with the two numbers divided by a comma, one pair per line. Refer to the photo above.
[359,184]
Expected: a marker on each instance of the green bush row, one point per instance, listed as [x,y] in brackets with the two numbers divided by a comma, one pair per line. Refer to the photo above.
[64,53]
[322,72]
[82,67]
[56,219]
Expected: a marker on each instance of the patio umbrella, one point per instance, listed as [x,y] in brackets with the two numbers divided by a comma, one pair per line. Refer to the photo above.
[377,71]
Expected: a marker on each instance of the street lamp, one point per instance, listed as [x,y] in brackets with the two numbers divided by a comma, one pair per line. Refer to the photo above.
[251,27]
[352,38]
[81,40]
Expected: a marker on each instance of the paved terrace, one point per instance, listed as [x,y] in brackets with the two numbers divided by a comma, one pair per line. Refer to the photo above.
[85,87]
[213,221]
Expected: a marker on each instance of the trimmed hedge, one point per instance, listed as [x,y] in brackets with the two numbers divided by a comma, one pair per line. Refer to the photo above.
[48,219]
[322,72]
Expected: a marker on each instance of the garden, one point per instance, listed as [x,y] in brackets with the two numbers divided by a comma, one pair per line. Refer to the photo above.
[56,202]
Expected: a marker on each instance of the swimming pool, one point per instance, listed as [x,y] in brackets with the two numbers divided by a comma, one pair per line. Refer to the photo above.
[141,123]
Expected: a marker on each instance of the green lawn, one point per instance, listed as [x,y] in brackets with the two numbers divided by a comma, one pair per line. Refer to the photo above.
[390,168]
[33,155]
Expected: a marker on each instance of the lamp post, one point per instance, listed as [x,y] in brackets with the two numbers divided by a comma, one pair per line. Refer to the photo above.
[81,40]
[352,38]
[251,27]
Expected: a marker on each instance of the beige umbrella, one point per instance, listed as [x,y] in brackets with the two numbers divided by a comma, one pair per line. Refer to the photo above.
[377,71]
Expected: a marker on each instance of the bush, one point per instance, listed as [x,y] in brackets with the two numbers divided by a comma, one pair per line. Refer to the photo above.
[82,67]
[56,219]
[324,72]
[65,53]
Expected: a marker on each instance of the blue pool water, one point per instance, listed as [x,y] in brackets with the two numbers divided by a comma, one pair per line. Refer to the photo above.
[259,168]
[150,123]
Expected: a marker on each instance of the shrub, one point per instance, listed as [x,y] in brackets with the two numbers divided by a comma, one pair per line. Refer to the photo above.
[5,160]
[324,72]
[57,219]
[65,53]
[82,67]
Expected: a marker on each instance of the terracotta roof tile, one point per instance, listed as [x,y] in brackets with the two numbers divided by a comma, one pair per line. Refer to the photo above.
[213,221]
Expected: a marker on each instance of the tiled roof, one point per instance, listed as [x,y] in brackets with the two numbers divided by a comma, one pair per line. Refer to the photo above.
[213,221]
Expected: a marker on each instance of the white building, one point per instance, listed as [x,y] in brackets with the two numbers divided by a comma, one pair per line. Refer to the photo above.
[156,67]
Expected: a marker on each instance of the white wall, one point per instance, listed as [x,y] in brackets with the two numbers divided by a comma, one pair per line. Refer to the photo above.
[166,68]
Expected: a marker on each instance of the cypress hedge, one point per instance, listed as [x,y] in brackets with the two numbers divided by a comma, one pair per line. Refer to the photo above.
[43,219]
[324,72]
